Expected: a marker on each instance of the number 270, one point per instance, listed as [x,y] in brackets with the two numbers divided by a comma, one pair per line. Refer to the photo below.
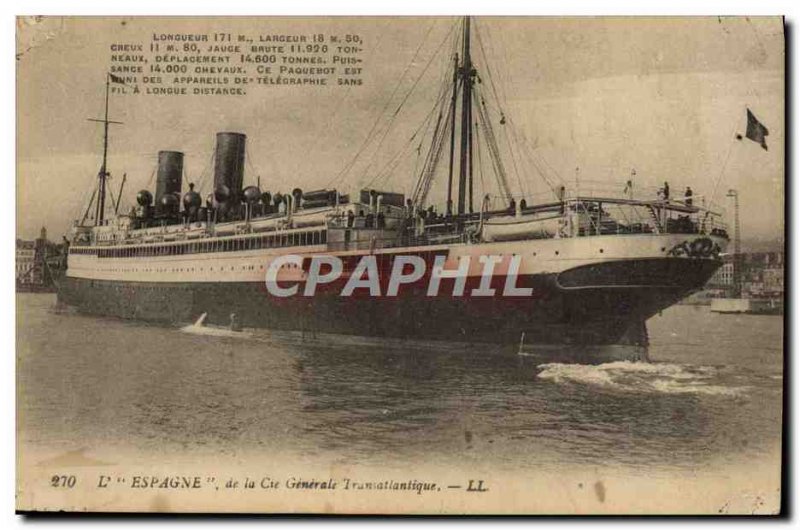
[63,481]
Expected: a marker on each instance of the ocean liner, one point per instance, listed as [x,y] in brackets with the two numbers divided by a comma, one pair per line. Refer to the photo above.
[576,274]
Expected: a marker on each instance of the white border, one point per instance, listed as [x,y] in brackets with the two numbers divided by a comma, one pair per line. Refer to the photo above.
[790,8]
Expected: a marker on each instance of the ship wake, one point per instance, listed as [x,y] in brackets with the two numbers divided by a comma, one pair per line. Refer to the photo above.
[628,376]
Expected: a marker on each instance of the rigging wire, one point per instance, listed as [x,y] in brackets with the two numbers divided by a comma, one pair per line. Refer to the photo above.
[425,179]
[480,164]
[201,180]
[517,145]
[530,156]
[490,76]
[86,201]
[416,161]
[514,129]
[368,138]
[491,143]
[435,154]
[340,105]
[487,64]
[253,171]
[392,164]
[513,159]
[395,160]
[504,70]
[423,184]
[402,103]
[426,176]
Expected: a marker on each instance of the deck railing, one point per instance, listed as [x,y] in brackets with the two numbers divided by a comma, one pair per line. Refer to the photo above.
[612,215]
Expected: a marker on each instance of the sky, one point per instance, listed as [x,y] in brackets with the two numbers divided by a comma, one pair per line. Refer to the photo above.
[588,100]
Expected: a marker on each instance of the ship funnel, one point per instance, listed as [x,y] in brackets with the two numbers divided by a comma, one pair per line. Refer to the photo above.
[229,164]
[168,179]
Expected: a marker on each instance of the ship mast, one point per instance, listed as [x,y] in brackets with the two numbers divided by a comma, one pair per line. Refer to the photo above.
[466,73]
[103,174]
[465,97]
[453,104]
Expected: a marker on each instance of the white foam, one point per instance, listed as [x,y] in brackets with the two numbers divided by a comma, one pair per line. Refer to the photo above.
[560,373]
[640,377]
[696,387]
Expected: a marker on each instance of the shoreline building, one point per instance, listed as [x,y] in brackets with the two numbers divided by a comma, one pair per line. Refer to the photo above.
[762,276]
[35,261]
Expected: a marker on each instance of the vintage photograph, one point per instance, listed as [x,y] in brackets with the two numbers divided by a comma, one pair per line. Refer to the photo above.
[400,265]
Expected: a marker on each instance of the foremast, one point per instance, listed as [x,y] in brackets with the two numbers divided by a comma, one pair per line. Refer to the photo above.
[103,174]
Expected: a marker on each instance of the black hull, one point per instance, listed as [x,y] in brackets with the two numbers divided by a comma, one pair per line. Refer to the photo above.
[591,306]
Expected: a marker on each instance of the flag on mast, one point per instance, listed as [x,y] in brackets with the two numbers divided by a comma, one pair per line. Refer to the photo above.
[755,130]
[120,80]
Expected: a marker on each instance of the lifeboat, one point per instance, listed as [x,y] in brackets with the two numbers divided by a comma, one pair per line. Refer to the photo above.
[512,227]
